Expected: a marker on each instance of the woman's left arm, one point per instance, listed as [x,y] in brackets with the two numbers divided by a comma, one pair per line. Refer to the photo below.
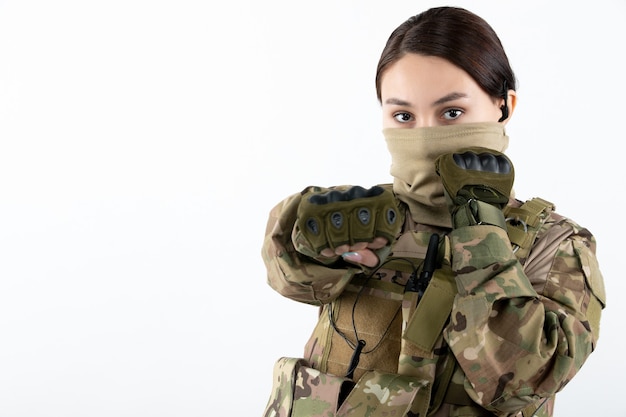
[522,336]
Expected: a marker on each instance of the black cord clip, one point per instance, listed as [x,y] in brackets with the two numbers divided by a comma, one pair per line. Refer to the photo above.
[354,361]
[419,284]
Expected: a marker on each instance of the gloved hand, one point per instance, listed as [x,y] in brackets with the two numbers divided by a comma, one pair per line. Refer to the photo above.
[330,219]
[477,183]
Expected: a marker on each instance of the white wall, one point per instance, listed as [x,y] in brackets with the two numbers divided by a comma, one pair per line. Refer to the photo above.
[142,144]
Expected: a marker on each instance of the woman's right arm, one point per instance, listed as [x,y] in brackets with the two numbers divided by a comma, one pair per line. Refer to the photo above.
[292,274]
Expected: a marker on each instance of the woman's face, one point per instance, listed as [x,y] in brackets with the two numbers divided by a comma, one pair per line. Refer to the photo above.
[425,91]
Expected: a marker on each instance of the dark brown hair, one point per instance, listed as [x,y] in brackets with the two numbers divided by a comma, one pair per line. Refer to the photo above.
[457,35]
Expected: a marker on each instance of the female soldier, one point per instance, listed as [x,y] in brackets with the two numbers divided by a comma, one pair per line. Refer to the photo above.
[440,294]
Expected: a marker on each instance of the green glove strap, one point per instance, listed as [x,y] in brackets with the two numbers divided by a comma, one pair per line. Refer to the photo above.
[328,219]
[476,212]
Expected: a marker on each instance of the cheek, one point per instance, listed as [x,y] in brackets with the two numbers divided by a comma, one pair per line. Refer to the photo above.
[497,113]
[387,121]
[387,117]
[489,112]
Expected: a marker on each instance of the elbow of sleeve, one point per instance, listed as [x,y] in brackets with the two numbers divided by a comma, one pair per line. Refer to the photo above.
[307,282]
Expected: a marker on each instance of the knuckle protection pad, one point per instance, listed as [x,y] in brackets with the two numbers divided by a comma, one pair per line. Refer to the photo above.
[333,218]
[486,161]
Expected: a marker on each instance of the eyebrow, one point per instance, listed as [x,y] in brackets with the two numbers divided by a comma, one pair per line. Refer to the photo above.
[448,97]
[397,102]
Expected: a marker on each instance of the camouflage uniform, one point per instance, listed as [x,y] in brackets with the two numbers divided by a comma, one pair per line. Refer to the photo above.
[516,331]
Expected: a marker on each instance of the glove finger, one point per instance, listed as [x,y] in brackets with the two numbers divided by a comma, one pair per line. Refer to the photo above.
[362,225]
[388,222]
[337,228]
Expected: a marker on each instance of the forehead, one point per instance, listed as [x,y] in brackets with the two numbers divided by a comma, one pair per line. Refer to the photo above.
[424,75]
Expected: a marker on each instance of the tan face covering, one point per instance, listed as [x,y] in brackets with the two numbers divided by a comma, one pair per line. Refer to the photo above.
[413,153]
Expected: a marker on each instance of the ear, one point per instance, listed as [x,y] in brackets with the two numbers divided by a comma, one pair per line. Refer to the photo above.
[511,101]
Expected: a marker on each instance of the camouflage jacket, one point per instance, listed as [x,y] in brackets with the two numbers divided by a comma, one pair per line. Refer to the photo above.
[502,334]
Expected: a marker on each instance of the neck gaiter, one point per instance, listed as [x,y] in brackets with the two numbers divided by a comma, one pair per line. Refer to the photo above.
[413,153]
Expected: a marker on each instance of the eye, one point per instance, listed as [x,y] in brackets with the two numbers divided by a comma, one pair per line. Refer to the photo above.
[403,117]
[452,114]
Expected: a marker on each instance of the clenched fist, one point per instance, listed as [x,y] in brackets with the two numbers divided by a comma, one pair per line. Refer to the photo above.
[477,184]
[349,218]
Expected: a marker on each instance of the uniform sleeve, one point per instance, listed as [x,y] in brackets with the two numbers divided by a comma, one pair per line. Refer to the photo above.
[520,334]
[292,274]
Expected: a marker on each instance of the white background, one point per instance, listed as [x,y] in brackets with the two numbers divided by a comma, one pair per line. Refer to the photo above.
[142,144]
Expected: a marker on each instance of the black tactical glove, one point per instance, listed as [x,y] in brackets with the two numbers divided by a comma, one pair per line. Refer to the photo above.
[329,219]
[477,183]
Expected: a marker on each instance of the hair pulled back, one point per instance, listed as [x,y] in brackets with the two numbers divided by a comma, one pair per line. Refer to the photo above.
[457,35]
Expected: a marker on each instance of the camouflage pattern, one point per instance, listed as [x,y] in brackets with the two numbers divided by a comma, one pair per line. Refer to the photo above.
[300,390]
[518,329]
